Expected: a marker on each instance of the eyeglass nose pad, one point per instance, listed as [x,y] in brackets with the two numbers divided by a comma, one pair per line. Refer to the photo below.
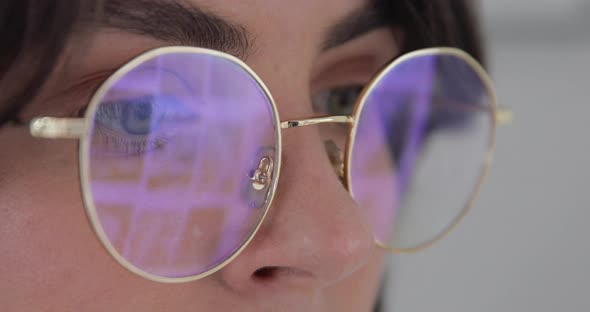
[336,158]
[261,177]
[257,182]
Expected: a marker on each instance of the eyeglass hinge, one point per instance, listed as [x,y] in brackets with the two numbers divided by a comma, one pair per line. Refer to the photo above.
[57,128]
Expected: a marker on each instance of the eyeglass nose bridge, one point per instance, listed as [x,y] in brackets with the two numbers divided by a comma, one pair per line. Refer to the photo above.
[297,123]
[334,153]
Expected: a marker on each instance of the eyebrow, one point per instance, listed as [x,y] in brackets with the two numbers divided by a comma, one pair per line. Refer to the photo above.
[186,24]
[181,24]
[354,25]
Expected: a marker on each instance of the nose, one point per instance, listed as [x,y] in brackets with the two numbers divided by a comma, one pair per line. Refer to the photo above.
[313,236]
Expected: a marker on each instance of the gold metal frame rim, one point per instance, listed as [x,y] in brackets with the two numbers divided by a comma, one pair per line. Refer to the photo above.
[84,160]
[484,170]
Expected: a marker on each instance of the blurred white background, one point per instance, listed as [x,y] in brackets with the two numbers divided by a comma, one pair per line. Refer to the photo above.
[526,245]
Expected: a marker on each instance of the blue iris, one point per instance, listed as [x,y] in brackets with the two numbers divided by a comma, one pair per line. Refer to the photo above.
[140,116]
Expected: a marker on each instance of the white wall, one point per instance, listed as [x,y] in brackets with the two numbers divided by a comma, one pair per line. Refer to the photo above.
[526,246]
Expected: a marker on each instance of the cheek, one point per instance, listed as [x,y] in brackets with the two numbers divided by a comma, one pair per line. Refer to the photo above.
[46,242]
[50,258]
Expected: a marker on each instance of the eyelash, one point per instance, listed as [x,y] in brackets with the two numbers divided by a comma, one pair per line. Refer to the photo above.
[125,146]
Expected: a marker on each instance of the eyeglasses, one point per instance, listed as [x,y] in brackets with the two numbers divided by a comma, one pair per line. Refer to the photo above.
[180,154]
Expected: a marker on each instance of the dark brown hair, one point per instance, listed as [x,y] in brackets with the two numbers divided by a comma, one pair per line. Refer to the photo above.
[33,34]
[429,23]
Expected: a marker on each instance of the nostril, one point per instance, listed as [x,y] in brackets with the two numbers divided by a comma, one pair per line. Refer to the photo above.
[265,273]
[272,272]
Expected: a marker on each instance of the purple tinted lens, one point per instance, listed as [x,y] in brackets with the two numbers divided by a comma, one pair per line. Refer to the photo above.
[173,144]
[419,147]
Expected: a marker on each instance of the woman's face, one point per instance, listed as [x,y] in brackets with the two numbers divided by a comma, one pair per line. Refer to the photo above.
[314,252]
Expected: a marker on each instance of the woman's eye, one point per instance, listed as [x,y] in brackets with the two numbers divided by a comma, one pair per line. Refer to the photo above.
[134,116]
[139,124]
[337,101]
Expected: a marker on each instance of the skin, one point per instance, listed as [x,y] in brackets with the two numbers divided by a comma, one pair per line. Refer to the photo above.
[318,244]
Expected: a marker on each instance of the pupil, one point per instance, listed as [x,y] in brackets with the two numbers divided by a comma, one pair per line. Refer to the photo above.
[137,116]
[143,110]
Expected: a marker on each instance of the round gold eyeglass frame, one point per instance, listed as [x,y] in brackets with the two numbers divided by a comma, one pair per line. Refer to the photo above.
[79,128]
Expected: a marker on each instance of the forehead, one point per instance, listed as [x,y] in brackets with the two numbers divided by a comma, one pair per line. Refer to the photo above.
[291,23]
[264,12]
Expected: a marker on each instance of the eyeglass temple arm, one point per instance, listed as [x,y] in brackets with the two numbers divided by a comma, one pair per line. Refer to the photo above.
[503,114]
[57,128]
